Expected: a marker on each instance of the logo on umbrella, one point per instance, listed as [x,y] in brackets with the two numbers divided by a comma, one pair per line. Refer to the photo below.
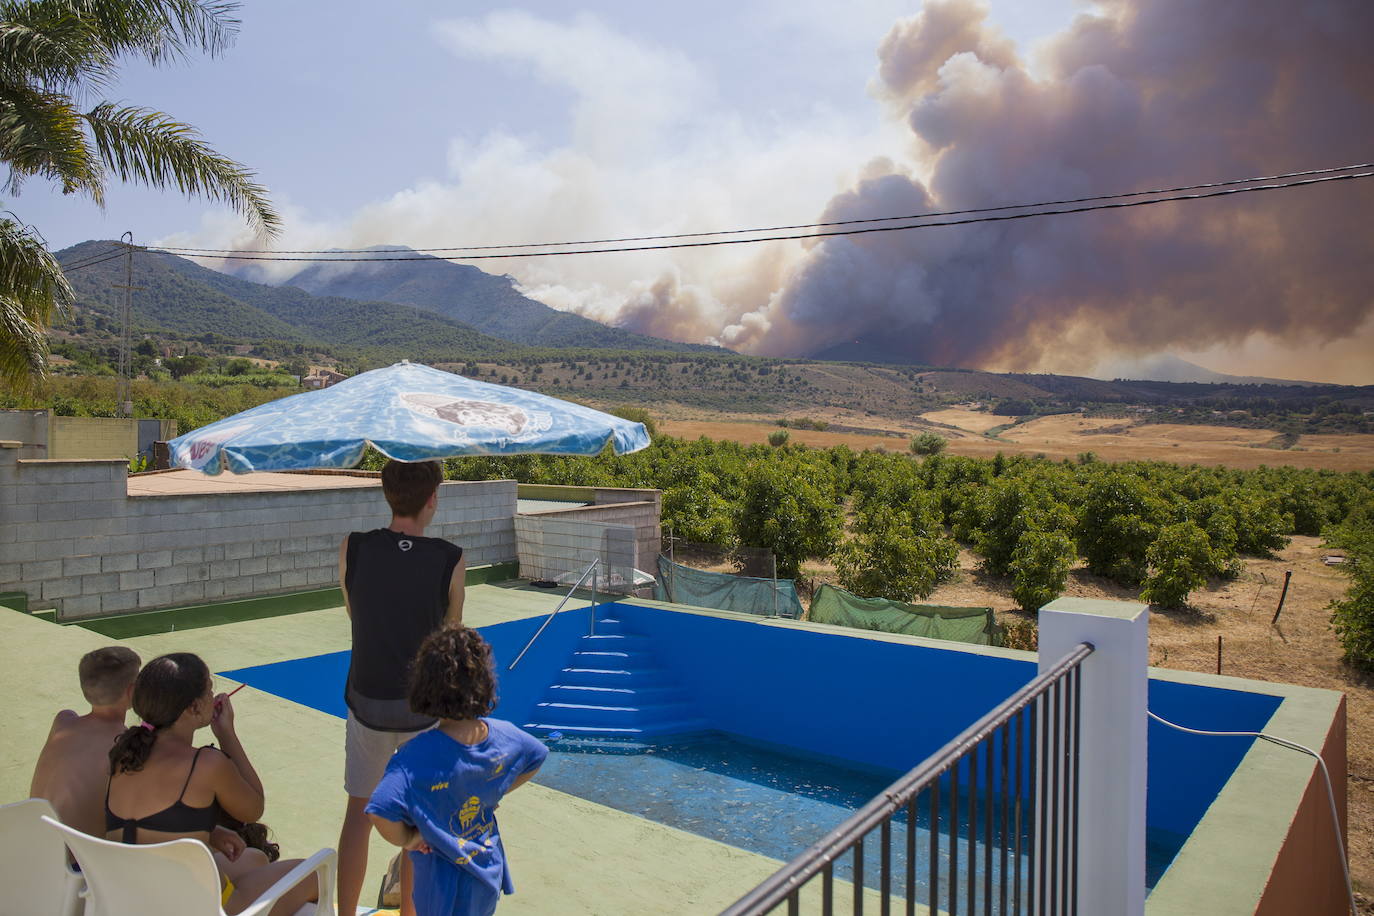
[508,418]
[197,452]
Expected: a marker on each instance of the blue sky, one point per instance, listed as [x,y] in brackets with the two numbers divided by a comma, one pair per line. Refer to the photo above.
[339,104]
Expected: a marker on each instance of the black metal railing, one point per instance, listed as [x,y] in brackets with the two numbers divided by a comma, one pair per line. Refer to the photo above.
[988,824]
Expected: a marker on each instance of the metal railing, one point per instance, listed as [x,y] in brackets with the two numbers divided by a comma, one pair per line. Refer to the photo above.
[1003,842]
[591,570]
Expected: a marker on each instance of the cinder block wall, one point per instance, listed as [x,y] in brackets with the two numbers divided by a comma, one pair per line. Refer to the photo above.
[28,427]
[92,437]
[72,538]
[553,547]
[578,531]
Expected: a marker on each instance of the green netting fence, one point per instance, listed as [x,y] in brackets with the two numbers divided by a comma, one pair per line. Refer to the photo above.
[974,625]
[700,588]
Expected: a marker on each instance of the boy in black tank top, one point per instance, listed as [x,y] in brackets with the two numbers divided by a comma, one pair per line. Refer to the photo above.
[399,586]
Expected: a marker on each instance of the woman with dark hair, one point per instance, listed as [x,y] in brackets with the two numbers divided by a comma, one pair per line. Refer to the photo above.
[162,787]
[439,795]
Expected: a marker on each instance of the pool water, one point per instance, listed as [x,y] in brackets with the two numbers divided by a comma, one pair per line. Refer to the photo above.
[777,803]
[755,798]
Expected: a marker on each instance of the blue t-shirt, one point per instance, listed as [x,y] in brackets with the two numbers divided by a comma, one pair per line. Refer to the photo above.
[450,792]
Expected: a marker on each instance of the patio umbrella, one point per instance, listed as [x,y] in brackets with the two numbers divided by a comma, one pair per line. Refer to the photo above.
[408,412]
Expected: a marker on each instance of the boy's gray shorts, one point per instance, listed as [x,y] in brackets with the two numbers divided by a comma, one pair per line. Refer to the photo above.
[366,753]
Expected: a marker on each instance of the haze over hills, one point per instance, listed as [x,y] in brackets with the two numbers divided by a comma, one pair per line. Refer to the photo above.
[489,303]
[183,300]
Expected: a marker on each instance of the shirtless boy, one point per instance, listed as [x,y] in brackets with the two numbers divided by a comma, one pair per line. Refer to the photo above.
[74,764]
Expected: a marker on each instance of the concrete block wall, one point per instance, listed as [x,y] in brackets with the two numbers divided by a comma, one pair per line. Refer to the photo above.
[72,538]
[29,428]
[553,547]
[610,506]
[92,437]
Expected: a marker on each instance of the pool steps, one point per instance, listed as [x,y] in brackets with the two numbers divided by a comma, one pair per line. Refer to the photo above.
[613,687]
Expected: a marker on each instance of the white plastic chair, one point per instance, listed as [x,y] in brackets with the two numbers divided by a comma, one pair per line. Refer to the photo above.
[177,878]
[35,877]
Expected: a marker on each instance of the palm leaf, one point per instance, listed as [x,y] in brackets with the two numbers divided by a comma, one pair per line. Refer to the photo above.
[52,52]
[32,289]
[147,146]
[160,31]
[42,134]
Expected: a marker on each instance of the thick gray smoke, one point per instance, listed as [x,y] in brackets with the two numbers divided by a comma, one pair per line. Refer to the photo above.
[1138,94]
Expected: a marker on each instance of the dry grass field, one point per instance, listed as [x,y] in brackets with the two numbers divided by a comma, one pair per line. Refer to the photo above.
[1061,436]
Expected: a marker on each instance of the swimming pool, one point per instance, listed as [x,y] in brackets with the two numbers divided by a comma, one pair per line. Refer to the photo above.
[763,688]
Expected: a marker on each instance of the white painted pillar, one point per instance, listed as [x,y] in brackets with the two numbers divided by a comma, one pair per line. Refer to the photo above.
[1112,761]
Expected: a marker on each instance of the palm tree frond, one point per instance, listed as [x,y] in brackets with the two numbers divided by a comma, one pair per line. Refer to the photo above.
[140,144]
[42,134]
[160,31]
[58,52]
[30,275]
[23,347]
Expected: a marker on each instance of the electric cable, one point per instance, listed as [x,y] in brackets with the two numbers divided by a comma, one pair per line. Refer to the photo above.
[1291,745]
[91,262]
[842,222]
[780,238]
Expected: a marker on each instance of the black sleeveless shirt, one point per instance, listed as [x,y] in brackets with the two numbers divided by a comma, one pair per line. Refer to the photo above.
[397,587]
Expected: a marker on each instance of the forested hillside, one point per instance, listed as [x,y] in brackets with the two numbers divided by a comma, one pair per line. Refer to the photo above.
[489,303]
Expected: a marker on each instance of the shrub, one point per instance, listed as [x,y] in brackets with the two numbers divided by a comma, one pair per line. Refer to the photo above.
[928,444]
[784,510]
[1120,519]
[1352,617]
[890,557]
[1180,559]
[1040,568]
[778,437]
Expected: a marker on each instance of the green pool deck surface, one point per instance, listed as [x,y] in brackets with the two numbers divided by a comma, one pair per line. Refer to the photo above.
[569,855]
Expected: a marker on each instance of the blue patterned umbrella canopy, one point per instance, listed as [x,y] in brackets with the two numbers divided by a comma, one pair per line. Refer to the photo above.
[408,412]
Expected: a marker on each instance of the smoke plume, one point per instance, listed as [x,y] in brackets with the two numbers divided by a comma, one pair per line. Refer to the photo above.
[1135,95]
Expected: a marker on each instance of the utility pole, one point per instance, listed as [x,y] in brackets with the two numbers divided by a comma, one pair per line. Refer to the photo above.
[126,405]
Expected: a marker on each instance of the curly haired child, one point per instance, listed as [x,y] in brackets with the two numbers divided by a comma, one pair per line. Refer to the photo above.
[439,795]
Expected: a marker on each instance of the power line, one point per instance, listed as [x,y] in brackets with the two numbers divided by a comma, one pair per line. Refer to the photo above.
[92,261]
[843,222]
[783,238]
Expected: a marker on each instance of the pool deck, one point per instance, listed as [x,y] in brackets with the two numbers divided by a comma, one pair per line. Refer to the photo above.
[568,855]
[573,856]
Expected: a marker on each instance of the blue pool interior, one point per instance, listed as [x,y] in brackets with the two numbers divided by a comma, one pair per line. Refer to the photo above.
[791,728]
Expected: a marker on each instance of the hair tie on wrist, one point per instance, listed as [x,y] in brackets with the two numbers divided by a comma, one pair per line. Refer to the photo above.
[148,725]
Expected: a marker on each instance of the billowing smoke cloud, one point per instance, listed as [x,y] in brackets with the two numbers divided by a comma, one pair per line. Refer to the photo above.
[1137,95]
[1134,94]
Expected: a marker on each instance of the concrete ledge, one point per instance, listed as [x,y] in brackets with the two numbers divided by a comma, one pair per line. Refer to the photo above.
[1266,844]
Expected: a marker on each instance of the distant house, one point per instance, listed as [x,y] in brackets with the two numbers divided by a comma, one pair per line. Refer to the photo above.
[323,378]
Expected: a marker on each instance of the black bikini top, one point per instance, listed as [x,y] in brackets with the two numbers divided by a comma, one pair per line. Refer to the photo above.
[178,817]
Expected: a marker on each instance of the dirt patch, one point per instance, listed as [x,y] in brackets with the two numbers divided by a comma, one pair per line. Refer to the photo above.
[974,421]
[1301,650]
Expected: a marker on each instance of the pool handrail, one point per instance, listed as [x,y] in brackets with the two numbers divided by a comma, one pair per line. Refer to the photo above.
[591,567]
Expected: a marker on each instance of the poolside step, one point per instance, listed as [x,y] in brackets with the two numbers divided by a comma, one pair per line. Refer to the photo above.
[597,714]
[602,676]
[626,640]
[615,696]
[580,729]
[614,687]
